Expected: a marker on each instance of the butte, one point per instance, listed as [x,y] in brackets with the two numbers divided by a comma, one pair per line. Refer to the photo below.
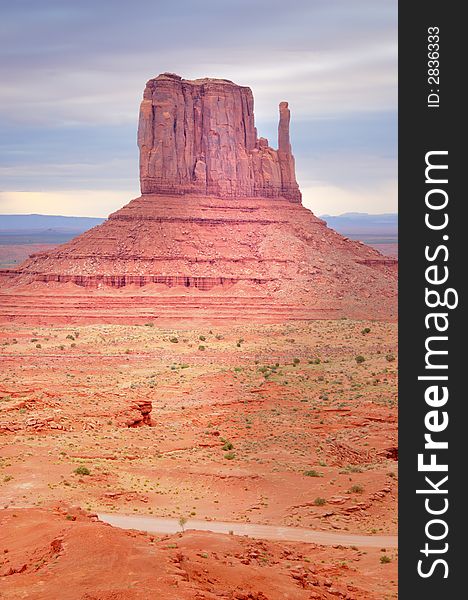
[219,232]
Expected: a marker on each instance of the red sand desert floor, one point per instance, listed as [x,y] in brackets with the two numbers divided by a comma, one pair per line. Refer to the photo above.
[276,424]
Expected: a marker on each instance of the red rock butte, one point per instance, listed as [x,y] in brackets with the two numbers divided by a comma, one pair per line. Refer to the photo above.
[219,232]
[200,137]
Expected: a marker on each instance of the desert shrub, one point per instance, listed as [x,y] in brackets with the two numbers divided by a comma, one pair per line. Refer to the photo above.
[150,324]
[82,471]
[352,469]
[296,361]
[230,455]
[174,340]
[182,522]
[202,338]
[38,346]
[390,357]
[312,473]
[360,359]
[70,337]
[320,501]
[385,559]
[356,489]
[228,446]
[201,347]
[365,331]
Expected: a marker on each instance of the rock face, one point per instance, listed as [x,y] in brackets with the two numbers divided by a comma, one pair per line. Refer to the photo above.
[137,414]
[220,219]
[200,137]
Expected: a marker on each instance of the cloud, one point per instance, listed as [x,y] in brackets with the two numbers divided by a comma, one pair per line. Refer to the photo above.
[78,62]
[78,203]
[328,199]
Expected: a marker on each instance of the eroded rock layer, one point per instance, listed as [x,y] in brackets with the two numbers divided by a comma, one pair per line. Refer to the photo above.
[250,255]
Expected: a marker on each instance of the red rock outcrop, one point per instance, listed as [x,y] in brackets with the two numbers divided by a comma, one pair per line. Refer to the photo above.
[137,414]
[199,137]
[220,210]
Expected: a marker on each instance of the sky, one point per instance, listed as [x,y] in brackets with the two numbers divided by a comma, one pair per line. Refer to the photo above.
[73,73]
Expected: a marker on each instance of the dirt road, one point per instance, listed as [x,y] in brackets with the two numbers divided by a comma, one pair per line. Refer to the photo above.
[268,532]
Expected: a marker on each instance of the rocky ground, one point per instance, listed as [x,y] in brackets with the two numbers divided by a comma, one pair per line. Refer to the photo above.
[42,549]
[12,255]
[291,425]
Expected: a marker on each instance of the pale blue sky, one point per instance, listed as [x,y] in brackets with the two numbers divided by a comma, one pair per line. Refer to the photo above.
[73,73]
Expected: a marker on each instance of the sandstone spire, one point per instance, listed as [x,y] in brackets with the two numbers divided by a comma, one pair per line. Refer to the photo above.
[284,144]
[199,137]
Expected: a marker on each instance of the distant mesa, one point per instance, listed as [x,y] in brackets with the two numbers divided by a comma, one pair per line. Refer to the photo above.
[220,214]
